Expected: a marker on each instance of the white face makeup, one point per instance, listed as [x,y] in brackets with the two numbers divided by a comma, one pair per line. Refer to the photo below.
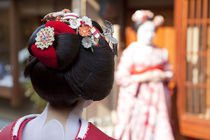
[146,33]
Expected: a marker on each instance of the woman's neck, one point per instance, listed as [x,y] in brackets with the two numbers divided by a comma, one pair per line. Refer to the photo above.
[63,115]
[60,114]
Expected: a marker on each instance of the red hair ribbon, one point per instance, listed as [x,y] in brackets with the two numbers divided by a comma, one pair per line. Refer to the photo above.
[48,56]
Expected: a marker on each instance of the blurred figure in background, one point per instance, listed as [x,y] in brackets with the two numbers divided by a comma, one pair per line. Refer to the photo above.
[142,75]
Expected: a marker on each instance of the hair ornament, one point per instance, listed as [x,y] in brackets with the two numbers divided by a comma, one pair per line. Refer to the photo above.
[74,23]
[87,42]
[94,41]
[84,31]
[45,38]
[87,21]
[108,35]
[70,16]
[141,16]
[84,28]
[158,20]
[96,33]
[55,16]
[108,32]
[43,44]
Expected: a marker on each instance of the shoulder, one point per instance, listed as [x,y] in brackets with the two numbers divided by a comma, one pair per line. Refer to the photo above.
[6,132]
[94,133]
[131,49]
[87,131]
[90,132]
[14,130]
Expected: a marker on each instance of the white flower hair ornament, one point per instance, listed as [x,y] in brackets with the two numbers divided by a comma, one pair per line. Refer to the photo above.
[87,42]
[84,28]
[87,20]
[45,38]
[74,23]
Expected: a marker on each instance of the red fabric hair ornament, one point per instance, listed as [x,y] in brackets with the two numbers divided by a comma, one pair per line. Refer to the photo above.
[47,54]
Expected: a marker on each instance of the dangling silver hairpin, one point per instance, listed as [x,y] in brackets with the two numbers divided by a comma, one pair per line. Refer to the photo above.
[108,35]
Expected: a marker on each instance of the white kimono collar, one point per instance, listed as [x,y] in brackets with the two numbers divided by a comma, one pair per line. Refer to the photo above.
[80,134]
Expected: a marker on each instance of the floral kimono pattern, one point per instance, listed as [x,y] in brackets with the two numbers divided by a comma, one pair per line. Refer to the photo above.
[142,112]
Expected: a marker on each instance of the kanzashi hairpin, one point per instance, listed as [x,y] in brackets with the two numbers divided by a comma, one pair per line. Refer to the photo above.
[83,26]
[45,38]
[108,35]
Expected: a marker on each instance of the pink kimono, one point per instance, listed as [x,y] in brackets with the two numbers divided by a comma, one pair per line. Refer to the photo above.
[142,112]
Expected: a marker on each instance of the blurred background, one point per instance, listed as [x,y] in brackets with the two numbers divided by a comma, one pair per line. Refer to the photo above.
[185,34]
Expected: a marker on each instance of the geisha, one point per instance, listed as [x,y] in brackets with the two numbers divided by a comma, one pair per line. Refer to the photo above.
[71,65]
[142,74]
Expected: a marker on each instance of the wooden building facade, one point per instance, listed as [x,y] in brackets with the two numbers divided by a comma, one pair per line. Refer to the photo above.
[192,24]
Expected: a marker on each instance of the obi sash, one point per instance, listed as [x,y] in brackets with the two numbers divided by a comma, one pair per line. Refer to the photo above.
[135,71]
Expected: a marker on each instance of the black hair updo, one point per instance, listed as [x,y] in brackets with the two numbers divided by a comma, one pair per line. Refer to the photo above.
[80,73]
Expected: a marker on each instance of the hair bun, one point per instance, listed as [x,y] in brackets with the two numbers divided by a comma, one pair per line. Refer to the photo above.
[93,75]
[67,48]
[74,64]
[63,48]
